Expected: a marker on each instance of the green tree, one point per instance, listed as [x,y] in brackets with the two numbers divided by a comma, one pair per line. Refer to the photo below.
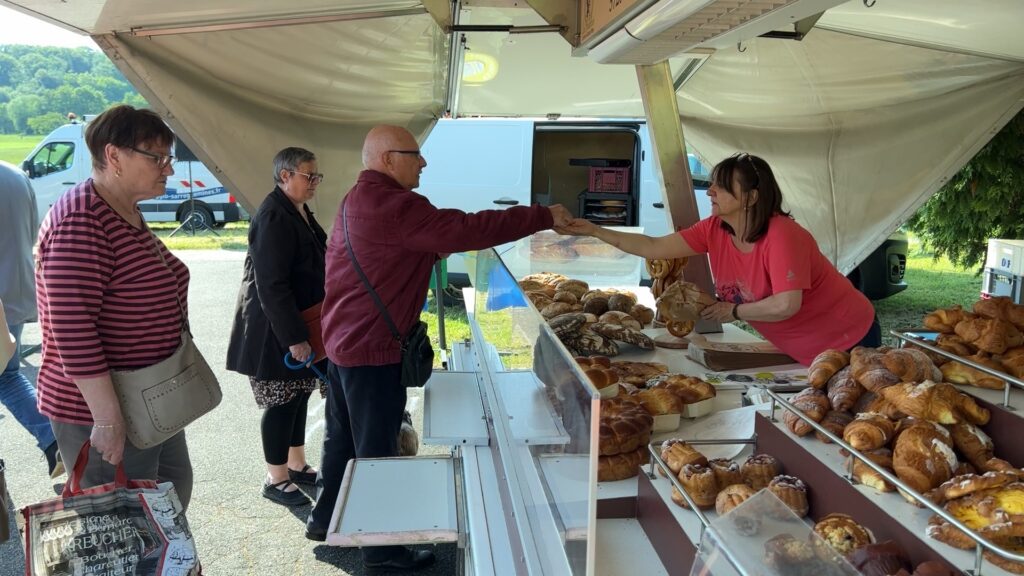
[983,200]
[10,70]
[45,123]
[21,108]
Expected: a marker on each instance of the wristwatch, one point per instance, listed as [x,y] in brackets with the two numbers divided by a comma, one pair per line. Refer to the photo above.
[735,313]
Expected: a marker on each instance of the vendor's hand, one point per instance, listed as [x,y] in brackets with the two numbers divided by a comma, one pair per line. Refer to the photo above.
[107,438]
[719,312]
[578,227]
[301,351]
[559,215]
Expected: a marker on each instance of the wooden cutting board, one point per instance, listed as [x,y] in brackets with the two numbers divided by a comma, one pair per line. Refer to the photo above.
[671,342]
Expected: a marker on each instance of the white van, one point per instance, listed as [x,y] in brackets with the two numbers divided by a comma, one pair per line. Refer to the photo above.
[62,160]
[481,164]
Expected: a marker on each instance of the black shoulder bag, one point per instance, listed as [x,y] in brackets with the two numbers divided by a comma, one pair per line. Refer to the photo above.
[417,353]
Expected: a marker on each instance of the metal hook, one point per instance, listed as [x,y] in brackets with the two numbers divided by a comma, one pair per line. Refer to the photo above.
[869,3]
[740,48]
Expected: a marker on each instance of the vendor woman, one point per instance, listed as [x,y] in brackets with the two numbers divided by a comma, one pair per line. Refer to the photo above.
[768,269]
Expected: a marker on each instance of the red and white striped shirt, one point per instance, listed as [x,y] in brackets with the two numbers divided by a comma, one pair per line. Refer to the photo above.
[106,299]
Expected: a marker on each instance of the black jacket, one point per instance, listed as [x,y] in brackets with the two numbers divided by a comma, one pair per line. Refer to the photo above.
[284,274]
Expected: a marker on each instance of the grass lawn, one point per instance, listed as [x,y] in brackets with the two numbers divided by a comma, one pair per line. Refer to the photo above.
[233,236]
[931,284]
[15,147]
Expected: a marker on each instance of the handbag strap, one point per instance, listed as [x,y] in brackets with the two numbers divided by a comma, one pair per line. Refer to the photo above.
[362,276]
[160,254]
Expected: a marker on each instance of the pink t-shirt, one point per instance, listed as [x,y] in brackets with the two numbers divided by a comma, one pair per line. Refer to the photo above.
[833,314]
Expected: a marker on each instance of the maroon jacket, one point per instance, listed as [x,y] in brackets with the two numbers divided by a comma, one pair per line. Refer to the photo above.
[396,236]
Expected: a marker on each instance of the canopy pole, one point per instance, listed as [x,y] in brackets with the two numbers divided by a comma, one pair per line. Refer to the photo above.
[665,127]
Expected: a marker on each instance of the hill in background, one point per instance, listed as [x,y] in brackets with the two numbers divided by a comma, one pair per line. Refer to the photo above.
[40,85]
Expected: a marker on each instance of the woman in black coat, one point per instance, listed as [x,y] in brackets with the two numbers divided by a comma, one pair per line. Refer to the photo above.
[284,275]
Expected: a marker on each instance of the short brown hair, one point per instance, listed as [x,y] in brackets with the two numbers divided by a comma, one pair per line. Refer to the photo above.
[751,172]
[125,127]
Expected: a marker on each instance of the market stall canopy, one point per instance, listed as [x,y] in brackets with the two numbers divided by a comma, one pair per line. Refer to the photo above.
[863,119]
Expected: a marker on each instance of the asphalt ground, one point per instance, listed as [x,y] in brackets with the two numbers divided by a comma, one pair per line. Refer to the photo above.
[237,531]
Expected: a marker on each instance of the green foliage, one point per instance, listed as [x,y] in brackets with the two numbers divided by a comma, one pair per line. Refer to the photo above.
[981,201]
[40,83]
[45,123]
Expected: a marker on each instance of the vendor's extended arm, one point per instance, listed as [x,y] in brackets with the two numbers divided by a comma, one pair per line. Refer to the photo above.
[651,247]
[775,308]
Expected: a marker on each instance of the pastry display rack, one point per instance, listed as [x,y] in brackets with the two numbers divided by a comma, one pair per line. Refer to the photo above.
[900,511]
[672,528]
[919,337]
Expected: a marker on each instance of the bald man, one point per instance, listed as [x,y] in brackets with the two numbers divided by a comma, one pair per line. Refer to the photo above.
[397,235]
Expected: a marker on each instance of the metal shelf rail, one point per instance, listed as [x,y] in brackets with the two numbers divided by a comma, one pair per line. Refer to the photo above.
[982,543]
[705,524]
[905,336]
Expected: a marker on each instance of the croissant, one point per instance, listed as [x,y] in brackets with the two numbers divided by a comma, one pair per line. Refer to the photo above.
[877,379]
[659,401]
[813,403]
[1002,308]
[843,391]
[989,334]
[944,319]
[1013,361]
[825,365]
[869,431]
[941,402]
[936,358]
[835,421]
[972,443]
[959,373]
[923,457]
[910,365]
[864,359]
[867,476]
[882,406]
[955,344]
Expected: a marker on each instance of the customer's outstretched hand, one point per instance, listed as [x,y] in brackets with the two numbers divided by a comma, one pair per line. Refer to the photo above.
[577,227]
[560,215]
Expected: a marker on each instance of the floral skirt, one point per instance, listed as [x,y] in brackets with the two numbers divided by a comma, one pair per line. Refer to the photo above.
[271,393]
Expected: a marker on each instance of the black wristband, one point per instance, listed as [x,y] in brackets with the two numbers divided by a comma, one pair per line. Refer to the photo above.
[735,312]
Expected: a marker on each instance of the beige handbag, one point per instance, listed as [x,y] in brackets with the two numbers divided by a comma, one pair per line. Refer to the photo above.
[158,401]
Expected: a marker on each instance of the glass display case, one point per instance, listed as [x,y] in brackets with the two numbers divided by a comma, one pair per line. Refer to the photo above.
[543,411]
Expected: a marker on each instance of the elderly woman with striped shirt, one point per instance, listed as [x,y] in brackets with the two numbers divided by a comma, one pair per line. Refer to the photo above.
[108,293]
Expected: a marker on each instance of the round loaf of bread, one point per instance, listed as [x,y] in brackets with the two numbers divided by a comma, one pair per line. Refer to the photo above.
[620,466]
[624,426]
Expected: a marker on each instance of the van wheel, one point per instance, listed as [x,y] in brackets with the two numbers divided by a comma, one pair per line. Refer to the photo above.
[196,219]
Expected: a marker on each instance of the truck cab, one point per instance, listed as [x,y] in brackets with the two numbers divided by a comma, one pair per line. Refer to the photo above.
[194,196]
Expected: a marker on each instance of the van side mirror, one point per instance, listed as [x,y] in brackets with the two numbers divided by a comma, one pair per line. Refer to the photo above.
[27,167]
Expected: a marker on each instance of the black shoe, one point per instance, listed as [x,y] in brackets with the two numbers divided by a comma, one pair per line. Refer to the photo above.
[276,493]
[315,533]
[302,476]
[54,462]
[407,560]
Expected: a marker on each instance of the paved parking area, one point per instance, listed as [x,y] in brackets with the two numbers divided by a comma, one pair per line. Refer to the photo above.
[237,531]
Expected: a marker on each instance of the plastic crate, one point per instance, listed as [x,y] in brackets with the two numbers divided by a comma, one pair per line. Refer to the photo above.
[615,180]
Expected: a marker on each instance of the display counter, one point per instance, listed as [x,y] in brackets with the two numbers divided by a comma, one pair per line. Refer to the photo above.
[519,492]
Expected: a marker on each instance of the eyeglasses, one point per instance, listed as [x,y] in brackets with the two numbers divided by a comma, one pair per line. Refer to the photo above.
[313,179]
[409,152]
[162,161]
[749,158]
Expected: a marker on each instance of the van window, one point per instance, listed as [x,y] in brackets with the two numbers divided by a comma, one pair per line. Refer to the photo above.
[54,157]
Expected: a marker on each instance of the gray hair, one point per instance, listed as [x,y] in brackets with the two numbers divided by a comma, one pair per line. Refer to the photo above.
[289,160]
